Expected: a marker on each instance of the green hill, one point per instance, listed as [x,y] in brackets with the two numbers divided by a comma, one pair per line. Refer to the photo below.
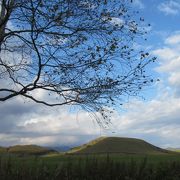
[3,150]
[26,150]
[118,145]
[29,150]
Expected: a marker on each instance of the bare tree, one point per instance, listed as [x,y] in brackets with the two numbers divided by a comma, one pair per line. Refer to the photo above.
[80,51]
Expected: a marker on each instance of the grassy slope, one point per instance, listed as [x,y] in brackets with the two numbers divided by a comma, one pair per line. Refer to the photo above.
[3,150]
[118,145]
[84,146]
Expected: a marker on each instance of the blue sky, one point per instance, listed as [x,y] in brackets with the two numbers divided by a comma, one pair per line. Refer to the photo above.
[155,119]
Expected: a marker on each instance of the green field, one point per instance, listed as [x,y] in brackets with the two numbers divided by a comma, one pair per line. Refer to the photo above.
[101,166]
[126,158]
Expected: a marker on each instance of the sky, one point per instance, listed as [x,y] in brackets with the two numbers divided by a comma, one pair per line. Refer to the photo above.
[154,118]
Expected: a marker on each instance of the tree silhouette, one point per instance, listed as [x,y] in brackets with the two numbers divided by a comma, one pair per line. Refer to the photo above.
[80,52]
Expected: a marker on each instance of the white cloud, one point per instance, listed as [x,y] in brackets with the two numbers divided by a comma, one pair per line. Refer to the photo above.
[169,60]
[171,7]
[166,53]
[139,4]
[171,65]
[31,123]
[117,21]
[174,78]
[49,140]
[174,39]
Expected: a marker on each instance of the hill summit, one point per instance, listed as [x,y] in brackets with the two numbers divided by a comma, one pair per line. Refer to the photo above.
[118,145]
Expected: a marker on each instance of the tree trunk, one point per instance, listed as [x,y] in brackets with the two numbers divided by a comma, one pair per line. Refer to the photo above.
[5,12]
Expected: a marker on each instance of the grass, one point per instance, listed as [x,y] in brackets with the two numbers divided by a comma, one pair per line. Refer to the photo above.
[152,158]
[91,167]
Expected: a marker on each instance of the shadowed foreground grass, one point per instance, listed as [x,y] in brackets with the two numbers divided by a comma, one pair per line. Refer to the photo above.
[97,167]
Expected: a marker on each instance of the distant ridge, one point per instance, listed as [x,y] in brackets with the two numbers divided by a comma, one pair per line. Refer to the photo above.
[118,145]
[174,149]
[26,150]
